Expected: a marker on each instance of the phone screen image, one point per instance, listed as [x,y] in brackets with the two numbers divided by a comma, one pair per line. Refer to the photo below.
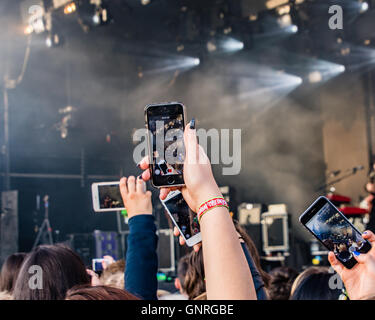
[166,125]
[336,233]
[185,218]
[110,196]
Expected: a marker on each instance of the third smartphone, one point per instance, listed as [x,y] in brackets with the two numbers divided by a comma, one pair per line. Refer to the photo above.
[166,123]
[334,231]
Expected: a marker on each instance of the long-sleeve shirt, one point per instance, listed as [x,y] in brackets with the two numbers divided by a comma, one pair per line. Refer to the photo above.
[141,258]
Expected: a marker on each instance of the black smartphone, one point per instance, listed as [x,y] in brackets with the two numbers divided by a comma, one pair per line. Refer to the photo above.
[334,231]
[166,123]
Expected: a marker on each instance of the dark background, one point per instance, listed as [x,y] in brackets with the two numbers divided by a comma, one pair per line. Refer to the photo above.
[98,73]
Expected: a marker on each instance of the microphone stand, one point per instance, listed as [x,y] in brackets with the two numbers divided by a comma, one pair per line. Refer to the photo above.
[328,184]
[45,228]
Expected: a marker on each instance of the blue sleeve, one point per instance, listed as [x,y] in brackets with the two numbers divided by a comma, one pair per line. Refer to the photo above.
[257,278]
[141,258]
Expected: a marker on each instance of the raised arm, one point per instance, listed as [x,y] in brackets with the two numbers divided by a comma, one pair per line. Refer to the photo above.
[141,258]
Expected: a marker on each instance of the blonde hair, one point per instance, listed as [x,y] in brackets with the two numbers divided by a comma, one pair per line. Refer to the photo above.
[113,275]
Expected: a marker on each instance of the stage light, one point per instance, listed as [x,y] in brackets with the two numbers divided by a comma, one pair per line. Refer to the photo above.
[224,45]
[293,28]
[70,8]
[145,2]
[96,18]
[324,71]
[283,10]
[364,7]
[285,21]
[28,30]
[173,63]
[263,87]
[232,45]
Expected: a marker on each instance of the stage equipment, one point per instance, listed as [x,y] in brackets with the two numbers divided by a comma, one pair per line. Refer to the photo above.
[106,244]
[94,245]
[166,250]
[83,245]
[8,224]
[275,229]
[45,229]
[249,217]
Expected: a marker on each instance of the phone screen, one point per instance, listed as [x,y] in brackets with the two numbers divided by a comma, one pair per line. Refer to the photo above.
[336,232]
[166,125]
[110,196]
[184,217]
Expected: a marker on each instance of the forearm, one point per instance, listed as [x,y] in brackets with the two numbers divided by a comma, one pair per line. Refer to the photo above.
[227,272]
[141,257]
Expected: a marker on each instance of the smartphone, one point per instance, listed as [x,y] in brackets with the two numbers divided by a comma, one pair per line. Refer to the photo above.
[166,123]
[183,217]
[334,231]
[97,264]
[106,196]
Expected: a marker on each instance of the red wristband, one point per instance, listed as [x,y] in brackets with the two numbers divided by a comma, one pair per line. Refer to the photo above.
[211,204]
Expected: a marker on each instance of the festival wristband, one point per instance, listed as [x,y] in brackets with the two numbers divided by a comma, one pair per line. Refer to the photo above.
[209,205]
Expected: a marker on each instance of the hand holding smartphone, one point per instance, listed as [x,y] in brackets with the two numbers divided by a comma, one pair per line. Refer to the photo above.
[334,231]
[166,123]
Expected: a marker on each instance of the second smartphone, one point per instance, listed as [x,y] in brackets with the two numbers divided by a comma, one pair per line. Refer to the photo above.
[183,217]
[166,123]
[334,231]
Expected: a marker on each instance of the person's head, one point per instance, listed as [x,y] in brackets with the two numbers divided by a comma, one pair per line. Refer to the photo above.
[10,270]
[113,275]
[313,284]
[182,267]
[52,270]
[195,283]
[280,284]
[88,292]
[253,252]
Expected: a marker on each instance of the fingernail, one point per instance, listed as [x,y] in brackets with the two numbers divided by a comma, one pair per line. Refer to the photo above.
[365,232]
[140,177]
[192,124]
[356,253]
[138,164]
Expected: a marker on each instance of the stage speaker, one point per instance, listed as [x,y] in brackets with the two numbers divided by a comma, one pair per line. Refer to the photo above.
[83,245]
[8,224]
[166,250]
[249,218]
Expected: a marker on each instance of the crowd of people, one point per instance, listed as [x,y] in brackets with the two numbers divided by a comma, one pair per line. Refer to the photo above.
[224,266]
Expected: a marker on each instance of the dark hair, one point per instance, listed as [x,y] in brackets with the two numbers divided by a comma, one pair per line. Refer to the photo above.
[280,284]
[10,270]
[62,269]
[315,286]
[182,268]
[194,282]
[253,252]
[88,292]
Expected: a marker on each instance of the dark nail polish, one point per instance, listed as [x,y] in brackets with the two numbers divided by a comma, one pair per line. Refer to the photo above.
[192,124]
[138,164]
[140,177]
[365,232]
[356,253]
